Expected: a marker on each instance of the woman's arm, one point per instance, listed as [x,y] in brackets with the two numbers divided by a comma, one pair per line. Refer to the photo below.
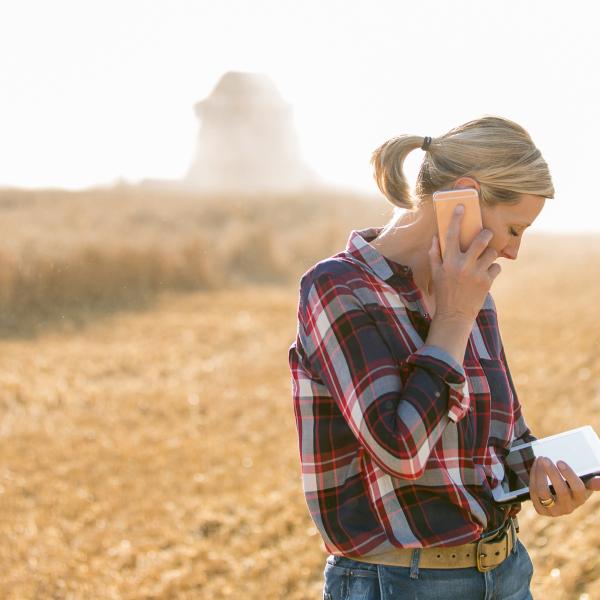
[571,491]
[398,412]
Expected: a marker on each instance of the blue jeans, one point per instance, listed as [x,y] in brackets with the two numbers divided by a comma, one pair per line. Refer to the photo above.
[347,579]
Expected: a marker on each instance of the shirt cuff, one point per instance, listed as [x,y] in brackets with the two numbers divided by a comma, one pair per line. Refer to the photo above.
[439,362]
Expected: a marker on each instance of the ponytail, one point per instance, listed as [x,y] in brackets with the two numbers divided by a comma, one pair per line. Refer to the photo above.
[388,162]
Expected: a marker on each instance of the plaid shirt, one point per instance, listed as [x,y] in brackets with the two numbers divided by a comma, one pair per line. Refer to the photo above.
[400,445]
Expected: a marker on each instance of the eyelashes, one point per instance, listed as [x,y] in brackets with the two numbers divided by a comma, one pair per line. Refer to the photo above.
[513,232]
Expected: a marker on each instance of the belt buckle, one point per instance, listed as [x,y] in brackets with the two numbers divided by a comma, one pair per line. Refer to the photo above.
[502,531]
[480,566]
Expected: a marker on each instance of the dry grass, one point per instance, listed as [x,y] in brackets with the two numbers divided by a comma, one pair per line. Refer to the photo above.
[88,252]
[153,453]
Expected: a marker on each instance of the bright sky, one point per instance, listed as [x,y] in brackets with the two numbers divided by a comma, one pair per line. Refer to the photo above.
[96,91]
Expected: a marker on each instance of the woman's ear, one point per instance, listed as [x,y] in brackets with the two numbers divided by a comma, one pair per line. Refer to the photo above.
[465,182]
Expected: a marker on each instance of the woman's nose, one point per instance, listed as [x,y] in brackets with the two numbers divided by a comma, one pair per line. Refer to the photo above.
[511,250]
[512,254]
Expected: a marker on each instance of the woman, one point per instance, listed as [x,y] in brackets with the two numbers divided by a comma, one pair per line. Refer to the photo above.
[404,402]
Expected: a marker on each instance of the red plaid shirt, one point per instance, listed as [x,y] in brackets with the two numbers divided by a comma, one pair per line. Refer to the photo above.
[400,445]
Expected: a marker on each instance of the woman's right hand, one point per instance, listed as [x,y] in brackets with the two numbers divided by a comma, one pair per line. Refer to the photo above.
[462,280]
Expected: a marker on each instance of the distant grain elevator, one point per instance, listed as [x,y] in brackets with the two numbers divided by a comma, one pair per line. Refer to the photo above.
[247,141]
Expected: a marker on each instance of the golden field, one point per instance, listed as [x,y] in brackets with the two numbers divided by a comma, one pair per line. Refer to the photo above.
[147,436]
[72,255]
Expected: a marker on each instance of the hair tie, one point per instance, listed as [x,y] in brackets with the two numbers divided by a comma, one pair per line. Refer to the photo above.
[426,143]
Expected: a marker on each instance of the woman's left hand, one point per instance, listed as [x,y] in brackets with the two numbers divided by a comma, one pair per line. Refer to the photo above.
[570,491]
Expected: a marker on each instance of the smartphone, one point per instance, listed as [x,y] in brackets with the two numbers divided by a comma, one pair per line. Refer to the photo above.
[444,203]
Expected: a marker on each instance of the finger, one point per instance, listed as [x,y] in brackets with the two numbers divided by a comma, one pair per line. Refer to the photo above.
[478,247]
[540,488]
[486,259]
[593,484]
[453,232]
[534,491]
[564,499]
[435,257]
[494,270]
[577,487]
[485,263]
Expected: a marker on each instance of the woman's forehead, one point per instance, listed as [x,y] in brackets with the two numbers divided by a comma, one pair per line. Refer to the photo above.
[525,211]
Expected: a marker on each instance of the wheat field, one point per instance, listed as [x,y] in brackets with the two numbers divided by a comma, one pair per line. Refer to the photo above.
[149,448]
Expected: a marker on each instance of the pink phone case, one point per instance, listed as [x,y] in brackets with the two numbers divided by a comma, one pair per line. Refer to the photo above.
[444,203]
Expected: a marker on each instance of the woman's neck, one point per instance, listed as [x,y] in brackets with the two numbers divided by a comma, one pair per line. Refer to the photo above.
[407,241]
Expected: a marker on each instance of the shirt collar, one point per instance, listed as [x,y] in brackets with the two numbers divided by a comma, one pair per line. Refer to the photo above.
[360,249]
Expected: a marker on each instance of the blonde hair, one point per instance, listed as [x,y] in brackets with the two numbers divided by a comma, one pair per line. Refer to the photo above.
[496,152]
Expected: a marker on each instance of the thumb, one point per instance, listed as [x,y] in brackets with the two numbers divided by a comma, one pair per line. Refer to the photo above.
[593,484]
[435,258]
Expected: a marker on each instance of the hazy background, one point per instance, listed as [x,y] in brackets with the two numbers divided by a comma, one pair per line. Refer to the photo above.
[97,91]
[147,436]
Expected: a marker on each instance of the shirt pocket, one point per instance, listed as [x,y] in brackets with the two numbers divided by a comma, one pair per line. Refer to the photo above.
[397,329]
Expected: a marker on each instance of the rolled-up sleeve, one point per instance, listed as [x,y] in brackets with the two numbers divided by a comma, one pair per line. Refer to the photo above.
[441,363]
[397,411]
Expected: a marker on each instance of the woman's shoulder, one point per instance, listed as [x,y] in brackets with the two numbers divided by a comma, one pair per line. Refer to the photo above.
[336,270]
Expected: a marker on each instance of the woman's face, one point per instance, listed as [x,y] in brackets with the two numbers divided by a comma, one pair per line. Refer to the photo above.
[508,222]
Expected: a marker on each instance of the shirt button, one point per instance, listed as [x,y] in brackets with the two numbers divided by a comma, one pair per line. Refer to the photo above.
[437,394]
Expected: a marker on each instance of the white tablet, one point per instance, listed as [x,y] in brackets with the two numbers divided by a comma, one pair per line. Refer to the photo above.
[579,448]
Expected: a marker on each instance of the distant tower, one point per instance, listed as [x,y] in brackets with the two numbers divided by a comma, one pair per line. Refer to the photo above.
[247,140]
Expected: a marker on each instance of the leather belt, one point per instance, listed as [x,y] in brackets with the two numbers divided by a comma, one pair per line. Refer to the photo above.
[489,551]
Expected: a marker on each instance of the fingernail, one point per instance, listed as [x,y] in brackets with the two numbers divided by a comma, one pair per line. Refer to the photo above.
[460,209]
[561,464]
